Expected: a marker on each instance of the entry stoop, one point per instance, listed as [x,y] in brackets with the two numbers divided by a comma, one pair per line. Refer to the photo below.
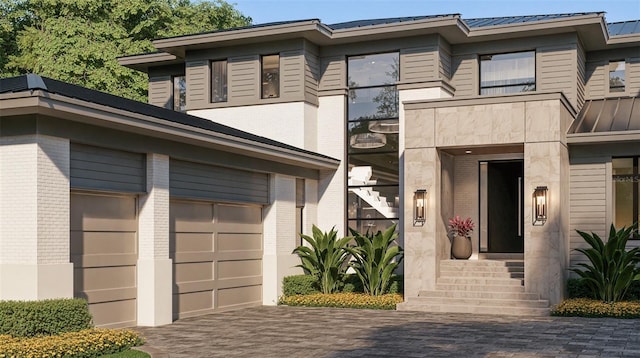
[481,287]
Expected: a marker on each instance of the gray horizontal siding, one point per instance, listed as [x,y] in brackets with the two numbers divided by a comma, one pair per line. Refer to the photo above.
[197,74]
[580,94]
[291,74]
[444,62]
[244,78]
[160,91]
[588,205]
[595,76]
[633,81]
[465,74]
[107,169]
[556,69]
[418,64]
[333,73]
[311,76]
[201,181]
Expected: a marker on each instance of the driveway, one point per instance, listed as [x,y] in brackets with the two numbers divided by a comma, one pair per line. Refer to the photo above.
[330,332]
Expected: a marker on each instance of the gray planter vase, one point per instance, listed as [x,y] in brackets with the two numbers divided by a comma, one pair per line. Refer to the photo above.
[461,247]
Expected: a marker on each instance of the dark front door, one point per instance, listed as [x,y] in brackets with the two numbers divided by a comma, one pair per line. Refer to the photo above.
[505,210]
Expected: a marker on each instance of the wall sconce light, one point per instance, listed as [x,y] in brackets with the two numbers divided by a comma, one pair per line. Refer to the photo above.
[540,205]
[419,203]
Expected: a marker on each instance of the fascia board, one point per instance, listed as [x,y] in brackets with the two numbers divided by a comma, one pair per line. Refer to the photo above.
[254,34]
[143,61]
[399,27]
[603,137]
[40,102]
[540,25]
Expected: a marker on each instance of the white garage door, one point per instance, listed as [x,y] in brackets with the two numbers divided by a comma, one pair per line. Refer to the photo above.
[217,255]
[104,254]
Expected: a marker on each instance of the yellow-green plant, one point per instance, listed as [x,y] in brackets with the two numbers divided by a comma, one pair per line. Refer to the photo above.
[344,300]
[324,258]
[585,307]
[376,257]
[612,268]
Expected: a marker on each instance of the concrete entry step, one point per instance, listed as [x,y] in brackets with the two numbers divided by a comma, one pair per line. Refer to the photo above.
[479,286]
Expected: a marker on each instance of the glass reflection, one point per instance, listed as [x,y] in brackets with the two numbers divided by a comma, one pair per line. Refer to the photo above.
[373,103]
[508,73]
[373,70]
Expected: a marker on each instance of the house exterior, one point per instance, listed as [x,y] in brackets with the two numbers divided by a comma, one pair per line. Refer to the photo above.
[529,125]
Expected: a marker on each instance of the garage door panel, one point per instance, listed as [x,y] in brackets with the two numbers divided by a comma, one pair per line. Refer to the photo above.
[235,269]
[114,314]
[100,278]
[191,217]
[115,294]
[244,215]
[196,271]
[184,257]
[238,241]
[238,282]
[230,297]
[194,286]
[101,242]
[190,242]
[103,213]
[237,255]
[108,260]
[193,302]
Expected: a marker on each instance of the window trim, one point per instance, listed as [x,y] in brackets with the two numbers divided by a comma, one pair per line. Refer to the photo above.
[609,92]
[226,81]
[535,74]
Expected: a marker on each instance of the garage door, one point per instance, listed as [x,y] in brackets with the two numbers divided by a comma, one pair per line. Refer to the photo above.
[104,254]
[217,255]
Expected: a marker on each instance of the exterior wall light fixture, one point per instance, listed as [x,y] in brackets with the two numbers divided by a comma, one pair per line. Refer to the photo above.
[419,207]
[540,205]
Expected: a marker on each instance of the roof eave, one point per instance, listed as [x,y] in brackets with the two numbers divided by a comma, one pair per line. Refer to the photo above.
[42,102]
[404,29]
[604,137]
[142,62]
[310,29]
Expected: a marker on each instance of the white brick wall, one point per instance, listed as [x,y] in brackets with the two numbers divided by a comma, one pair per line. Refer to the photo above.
[153,220]
[280,217]
[35,200]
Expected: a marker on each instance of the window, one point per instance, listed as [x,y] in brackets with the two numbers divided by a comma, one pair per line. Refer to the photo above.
[218,81]
[626,196]
[300,201]
[179,93]
[616,76]
[372,142]
[507,73]
[271,76]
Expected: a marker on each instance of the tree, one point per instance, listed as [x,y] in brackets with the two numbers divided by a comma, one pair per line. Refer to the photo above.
[78,41]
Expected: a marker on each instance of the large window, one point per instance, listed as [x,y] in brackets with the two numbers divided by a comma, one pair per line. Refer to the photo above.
[218,81]
[626,195]
[271,76]
[507,73]
[372,141]
[616,76]
[179,93]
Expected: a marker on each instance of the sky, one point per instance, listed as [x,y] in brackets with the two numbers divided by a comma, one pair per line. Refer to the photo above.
[334,11]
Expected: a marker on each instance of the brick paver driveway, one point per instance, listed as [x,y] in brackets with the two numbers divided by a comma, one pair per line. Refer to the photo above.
[326,332]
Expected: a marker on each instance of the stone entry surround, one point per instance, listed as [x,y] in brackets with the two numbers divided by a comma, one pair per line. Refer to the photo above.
[438,131]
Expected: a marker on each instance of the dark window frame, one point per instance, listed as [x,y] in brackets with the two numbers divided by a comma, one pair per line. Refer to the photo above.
[225,86]
[175,103]
[635,210]
[263,84]
[510,85]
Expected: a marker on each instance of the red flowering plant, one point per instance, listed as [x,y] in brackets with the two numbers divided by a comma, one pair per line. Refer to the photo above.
[460,227]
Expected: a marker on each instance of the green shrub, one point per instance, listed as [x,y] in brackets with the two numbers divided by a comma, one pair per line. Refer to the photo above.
[300,285]
[612,268]
[396,285]
[93,342]
[325,257]
[43,318]
[579,289]
[585,307]
[375,258]
[344,300]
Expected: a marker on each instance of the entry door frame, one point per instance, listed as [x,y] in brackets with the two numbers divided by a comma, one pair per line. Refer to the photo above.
[483,205]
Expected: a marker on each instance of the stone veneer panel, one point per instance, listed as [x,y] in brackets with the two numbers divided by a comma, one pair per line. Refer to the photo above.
[489,124]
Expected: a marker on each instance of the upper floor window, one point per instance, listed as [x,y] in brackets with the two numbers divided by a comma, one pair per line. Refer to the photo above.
[372,86]
[508,73]
[616,76]
[179,93]
[270,76]
[219,81]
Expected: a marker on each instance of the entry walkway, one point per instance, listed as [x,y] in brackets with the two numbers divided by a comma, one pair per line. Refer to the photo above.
[327,332]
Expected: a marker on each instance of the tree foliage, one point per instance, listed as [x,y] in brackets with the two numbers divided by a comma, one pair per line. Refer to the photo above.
[78,41]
